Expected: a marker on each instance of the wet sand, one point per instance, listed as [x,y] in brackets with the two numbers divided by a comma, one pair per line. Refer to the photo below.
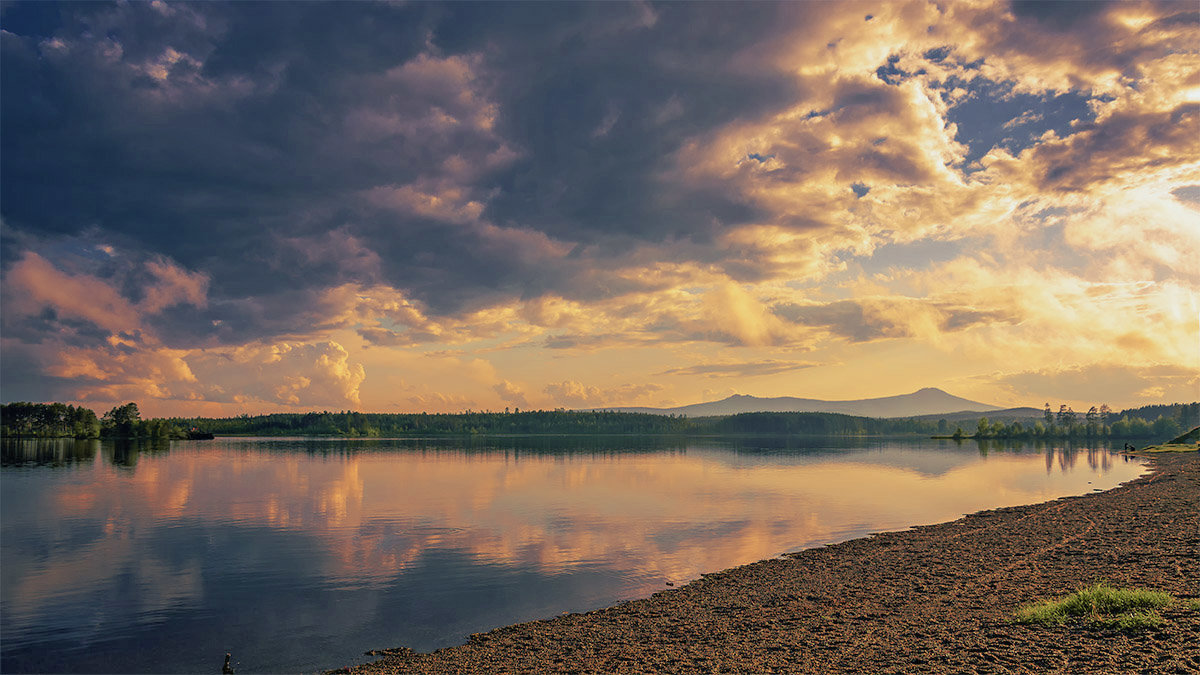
[929,599]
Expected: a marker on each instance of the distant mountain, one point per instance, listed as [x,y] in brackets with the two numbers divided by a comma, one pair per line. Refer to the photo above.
[928,401]
[1005,415]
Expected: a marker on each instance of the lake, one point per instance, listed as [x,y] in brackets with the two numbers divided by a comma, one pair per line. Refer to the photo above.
[299,554]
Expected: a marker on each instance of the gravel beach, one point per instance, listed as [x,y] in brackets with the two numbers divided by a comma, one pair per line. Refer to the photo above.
[929,599]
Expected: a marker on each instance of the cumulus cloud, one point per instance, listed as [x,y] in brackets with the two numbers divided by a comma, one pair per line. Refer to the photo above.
[511,393]
[288,374]
[173,285]
[83,300]
[185,181]
[34,283]
[102,345]
[579,395]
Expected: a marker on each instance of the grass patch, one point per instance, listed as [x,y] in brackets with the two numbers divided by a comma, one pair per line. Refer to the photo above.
[1101,604]
[1138,620]
[1169,447]
[1192,436]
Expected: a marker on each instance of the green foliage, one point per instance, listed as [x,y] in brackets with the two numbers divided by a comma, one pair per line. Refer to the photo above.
[1192,436]
[1100,604]
[125,421]
[1186,415]
[57,419]
[121,422]
[806,423]
[371,425]
[48,420]
[1138,620]
[550,422]
[1098,423]
[1170,447]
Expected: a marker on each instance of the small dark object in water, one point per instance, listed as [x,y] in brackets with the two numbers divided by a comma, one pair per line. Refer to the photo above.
[227,669]
[392,651]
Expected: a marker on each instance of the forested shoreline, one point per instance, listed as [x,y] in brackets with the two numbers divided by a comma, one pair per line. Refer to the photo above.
[1145,422]
[58,420]
[49,420]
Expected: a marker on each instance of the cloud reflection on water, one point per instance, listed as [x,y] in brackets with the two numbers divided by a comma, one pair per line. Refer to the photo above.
[376,513]
[345,520]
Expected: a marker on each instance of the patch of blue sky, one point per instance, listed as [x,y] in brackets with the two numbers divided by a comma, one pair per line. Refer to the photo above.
[1049,238]
[387,323]
[1045,231]
[893,74]
[913,255]
[994,116]
[938,54]
[916,255]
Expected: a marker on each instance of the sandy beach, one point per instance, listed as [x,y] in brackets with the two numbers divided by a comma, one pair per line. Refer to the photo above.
[929,599]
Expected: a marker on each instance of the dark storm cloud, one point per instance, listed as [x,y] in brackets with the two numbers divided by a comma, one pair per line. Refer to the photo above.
[662,89]
[209,165]
[1182,19]
[1082,39]
[224,136]
[1060,14]
[26,379]
[1121,144]
[192,190]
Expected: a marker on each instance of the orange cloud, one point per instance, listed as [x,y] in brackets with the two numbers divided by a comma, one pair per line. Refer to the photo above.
[579,395]
[33,283]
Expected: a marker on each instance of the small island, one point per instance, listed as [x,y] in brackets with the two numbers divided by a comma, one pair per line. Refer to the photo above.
[58,420]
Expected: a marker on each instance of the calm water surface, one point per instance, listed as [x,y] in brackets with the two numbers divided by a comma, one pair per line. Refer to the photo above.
[299,554]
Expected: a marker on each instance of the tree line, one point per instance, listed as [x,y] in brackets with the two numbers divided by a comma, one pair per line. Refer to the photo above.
[348,423]
[53,420]
[1147,421]
[59,420]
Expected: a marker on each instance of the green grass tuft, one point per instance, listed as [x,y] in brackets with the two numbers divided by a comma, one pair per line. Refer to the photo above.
[1137,620]
[1124,608]
[1170,447]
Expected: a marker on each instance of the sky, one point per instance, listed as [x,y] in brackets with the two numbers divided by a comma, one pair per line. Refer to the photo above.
[227,208]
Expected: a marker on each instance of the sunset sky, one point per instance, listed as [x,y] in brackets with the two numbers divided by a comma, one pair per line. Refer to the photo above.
[237,208]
